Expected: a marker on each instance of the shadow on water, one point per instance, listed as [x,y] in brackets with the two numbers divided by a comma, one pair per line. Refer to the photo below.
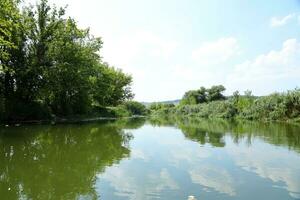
[60,162]
[214,131]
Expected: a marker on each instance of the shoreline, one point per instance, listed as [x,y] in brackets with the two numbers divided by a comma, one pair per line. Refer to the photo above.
[64,121]
[294,121]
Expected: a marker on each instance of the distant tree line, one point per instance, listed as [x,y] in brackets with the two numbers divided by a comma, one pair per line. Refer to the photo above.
[50,66]
[211,103]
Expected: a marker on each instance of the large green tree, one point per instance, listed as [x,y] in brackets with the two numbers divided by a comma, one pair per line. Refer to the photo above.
[51,66]
[12,55]
[111,82]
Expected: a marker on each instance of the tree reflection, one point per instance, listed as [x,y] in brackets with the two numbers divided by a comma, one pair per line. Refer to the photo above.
[59,162]
[213,131]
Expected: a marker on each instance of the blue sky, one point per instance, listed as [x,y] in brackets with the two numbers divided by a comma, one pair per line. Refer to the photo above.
[172,46]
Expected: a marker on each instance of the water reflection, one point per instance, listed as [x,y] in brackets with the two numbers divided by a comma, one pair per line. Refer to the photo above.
[168,158]
[213,131]
[245,145]
[59,162]
[215,177]
[277,165]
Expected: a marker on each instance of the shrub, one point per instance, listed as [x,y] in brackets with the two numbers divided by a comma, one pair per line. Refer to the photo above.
[120,111]
[277,106]
[135,108]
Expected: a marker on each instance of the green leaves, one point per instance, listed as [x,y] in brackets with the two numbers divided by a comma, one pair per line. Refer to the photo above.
[203,95]
[110,86]
[274,107]
[46,59]
[9,22]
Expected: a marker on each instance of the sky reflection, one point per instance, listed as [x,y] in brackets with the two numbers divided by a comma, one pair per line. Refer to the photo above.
[164,164]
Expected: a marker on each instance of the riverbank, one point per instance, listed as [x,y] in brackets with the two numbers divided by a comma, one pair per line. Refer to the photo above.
[70,120]
[128,109]
[284,107]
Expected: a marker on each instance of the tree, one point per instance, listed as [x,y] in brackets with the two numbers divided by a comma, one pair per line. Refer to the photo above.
[203,95]
[74,53]
[189,98]
[48,65]
[11,51]
[9,16]
[215,93]
[194,97]
[135,108]
[110,86]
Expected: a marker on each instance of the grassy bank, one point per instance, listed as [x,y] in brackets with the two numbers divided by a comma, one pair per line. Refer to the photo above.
[275,107]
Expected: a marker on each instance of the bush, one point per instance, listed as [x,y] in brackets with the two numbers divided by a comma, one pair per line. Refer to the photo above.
[120,111]
[277,106]
[135,108]
[128,109]
[158,106]
[203,95]
[215,109]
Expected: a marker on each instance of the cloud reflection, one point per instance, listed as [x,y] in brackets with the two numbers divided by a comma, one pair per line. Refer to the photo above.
[134,186]
[276,164]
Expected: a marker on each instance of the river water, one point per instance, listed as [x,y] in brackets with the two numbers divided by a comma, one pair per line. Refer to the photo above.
[141,159]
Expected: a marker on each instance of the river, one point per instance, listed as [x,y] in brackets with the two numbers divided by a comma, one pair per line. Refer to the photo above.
[139,159]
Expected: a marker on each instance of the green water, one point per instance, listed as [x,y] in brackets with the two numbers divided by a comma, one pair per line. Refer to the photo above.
[154,159]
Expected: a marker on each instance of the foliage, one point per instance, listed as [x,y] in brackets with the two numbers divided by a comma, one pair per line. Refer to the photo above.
[9,22]
[158,106]
[119,111]
[215,93]
[135,108]
[161,108]
[203,95]
[277,106]
[47,61]
[218,109]
[130,108]
[111,82]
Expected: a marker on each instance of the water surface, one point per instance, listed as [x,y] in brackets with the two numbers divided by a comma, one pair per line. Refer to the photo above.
[154,159]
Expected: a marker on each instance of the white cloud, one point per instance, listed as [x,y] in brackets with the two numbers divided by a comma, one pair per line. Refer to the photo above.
[130,51]
[277,21]
[269,72]
[127,49]
[209,63]
[216,52]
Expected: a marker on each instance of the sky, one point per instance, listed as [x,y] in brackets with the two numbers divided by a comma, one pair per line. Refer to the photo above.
[172,46]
